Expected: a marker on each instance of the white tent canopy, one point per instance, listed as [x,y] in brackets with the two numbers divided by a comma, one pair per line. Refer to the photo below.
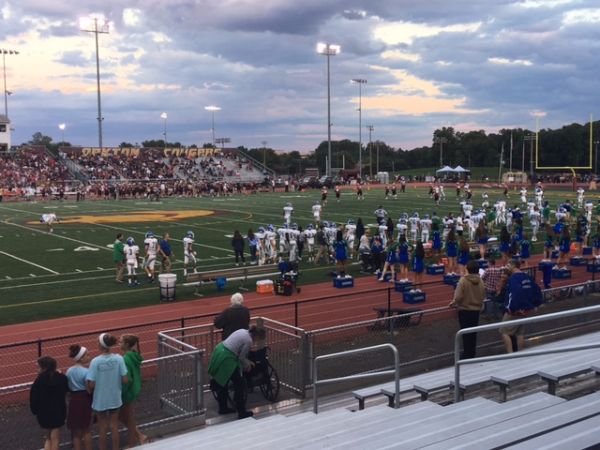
[445,169]
[460,169]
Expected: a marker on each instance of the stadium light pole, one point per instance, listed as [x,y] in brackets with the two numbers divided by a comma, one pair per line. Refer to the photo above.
[5,52]
[328,50]
[62,127]
[370,128]
[212,109]
[91,25]
[441,140]
[360,82]
[164,116]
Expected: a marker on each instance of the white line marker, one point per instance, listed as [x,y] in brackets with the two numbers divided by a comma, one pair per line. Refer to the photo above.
[78,270]
[214,257]
[8,278]
[55,250]
[29,262]
[32,275]
[99,268]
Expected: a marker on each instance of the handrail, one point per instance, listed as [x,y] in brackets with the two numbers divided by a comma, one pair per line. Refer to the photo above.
[396,372]
[494,326]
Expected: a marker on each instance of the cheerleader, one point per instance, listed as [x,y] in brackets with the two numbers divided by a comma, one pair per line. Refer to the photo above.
[451,251]
[564,246]
[504,244]
[340,246]
[549,243]
[597,242]
[419,262]
[482,238]
[436,245]
[403,250]
[525,248]
[463,256]
[390,261]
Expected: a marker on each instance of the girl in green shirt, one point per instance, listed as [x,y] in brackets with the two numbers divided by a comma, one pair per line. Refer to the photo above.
[130,346]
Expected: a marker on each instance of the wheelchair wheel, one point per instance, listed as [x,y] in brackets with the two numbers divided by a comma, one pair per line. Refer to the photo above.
[270,388]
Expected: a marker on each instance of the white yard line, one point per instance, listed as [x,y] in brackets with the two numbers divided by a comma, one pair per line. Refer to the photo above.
[30,263]
[57,236]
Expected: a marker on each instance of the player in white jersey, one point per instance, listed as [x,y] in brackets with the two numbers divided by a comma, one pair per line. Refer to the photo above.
[448,223]
[260,236]
[402,225]
[414,222]
[382,231]
[460,226]
[523,195]
[270,243]
[468,209]
[350,235]
[501,212]
[580,195]
[49,219]
[485,203]
[442,192]
[425,228]
[131,252]
[283,239]
[316,210]
[151,247]
[309,235]
[293,237]
[287,213]
[534,221]
[589,209]
[560,214]
[189,255]
[539,197]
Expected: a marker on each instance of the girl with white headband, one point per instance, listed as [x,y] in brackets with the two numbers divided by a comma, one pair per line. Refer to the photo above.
[79,418]
[105,377]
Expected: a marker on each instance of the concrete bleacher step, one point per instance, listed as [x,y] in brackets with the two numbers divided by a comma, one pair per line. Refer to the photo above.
[577,436]
[297,437]
[456,422]
[514,430]
[400,419]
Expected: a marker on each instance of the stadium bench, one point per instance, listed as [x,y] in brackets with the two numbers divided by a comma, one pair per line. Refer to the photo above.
[242,273]
[407,317]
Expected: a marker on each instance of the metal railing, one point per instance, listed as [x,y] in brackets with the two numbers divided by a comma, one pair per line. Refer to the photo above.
[169,397]
[511,323]
[395,371]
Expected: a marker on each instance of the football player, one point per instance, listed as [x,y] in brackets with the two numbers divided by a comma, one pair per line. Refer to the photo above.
[151,247]
[189,255]
[287,213]
[49,219]
[131,252]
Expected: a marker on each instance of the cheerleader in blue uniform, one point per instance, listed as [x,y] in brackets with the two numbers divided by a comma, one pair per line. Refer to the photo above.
[525,248]
[597,241]
[451,250]
[463,256]
[481,234]
[419,262]
[564,246]
[341,247]
[403,249]
[390,261]
[436,244]
[504,244]
[549,243]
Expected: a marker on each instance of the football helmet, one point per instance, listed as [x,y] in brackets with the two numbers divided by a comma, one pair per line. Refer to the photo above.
[190,234]
[130,241]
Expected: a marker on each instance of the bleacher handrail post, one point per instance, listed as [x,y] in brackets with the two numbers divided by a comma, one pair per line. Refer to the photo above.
[511,323]
[396,371]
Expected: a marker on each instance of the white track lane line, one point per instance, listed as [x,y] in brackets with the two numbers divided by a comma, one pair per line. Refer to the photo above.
[30,263]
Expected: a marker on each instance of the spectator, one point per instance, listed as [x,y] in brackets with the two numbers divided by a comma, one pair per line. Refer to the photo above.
[79,419]
[166,252]
[321,240]
[253,246]
[364,250]
[360,229]
[226,363]
[377,253]
[237,242]
[491,280]
[47,400]
[130,346]
[105,378]
[522,298]
[236,317]
[119,257]
[468,298]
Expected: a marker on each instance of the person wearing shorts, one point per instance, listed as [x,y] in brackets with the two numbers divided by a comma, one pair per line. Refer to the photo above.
[106,375]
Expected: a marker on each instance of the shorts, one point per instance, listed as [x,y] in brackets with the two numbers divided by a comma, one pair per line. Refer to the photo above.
[515,330]
[189,258]
[132,262]
[150,262]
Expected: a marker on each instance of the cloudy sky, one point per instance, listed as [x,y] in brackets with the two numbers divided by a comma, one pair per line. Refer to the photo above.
[470,64]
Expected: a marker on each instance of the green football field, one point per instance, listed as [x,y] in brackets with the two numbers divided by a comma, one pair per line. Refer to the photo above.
[71,272]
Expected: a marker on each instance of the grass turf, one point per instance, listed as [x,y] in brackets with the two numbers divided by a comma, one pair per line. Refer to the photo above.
[71,272]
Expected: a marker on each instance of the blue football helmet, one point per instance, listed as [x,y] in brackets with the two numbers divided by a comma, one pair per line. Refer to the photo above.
[130,241]
[190,234]
[149,234]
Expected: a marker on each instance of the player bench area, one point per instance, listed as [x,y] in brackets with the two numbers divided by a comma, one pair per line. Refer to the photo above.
[242,273]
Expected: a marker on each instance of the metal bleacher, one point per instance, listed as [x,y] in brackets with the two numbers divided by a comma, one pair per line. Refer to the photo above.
[529,421]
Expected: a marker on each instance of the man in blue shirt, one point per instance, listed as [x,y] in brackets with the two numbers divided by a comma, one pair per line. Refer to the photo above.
[523,296]
[166,253]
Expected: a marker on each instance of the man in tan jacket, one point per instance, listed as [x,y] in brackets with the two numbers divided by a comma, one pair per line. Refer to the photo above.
[468,299]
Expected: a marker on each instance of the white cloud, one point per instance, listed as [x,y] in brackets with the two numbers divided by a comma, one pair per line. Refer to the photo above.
[582,16]
[531,4]
[399,55]
[395,33]
[132,17]
[513,62]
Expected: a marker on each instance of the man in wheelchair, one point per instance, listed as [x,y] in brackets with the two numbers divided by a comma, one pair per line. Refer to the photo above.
[227,362]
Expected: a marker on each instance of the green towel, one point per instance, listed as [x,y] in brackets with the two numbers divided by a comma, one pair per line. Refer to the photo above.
[222,364]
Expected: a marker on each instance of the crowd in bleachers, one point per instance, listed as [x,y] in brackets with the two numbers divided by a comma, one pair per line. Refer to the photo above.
[30,172]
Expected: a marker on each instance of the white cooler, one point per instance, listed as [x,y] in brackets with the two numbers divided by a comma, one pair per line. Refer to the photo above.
[166,284]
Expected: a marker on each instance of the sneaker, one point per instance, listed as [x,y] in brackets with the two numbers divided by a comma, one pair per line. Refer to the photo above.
[245,414]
